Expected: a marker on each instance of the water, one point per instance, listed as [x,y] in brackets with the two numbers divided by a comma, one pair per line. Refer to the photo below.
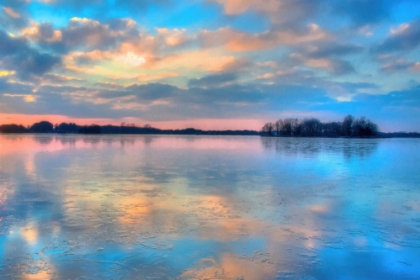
[192,207]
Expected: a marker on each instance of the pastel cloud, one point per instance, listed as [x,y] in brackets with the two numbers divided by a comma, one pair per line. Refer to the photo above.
[16,54]
[214,80]
[26,97]
[333,66]
[199,60]
[332,49]
[235,7]
[174,37]
[132,60]
[403,38]
[10,12]
[235,40]
[42,32]
[280,12]
[84,33]
[401,65]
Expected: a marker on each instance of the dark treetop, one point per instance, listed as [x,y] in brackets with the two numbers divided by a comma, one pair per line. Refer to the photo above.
[349,127]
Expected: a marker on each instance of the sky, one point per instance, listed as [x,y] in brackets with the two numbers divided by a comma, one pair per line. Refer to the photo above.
[210,64]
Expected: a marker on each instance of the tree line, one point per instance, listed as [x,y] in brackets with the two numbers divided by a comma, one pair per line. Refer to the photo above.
[47,127]
[311,127]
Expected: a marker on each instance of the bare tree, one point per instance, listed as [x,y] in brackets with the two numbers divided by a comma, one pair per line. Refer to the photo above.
[347,125]
[268,129]
[313,127]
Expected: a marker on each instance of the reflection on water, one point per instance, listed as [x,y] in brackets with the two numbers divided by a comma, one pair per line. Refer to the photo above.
[169,207]
[301,147]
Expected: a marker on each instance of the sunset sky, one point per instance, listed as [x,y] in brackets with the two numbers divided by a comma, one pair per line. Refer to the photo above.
[211,64]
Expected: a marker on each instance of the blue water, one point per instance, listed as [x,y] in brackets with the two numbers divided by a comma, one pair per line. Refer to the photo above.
[193,207]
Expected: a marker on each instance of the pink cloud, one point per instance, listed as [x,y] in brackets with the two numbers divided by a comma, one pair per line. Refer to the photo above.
[235,7]
[237,41]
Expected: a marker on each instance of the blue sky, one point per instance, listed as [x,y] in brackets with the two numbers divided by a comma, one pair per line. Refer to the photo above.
[212,64]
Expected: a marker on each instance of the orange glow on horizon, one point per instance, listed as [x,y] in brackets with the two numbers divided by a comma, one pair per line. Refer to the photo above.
[205,124]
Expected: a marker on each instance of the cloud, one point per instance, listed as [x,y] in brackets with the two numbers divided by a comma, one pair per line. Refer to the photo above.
[75,101]
[132,59]
[173,37]
[326,56]
[236,65]
[57,79]
[90,34]
[89,42]
[155,101]
[234,40]
[415,67]
[13,14]
[201,60]
[333,66]
[86,42]
[406,37]
[5,73]
[215,80]
[81,34]
[121,23]
[13,87]
[407,98]
[160,102]
[401,65]
[296,13]
[282,13]
[25,97]
[235,7]
[332,49]
[43,32]
[182,102]
[16,54]
[284,75]
[225,100]
[152,91]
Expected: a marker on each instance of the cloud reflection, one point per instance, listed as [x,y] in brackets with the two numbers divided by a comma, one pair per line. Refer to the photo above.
[162,207]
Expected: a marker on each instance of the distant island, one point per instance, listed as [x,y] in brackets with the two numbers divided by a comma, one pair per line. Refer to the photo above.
[291,127]
[311,127]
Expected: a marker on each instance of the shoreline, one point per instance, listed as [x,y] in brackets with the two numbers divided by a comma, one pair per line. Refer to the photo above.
[384,135]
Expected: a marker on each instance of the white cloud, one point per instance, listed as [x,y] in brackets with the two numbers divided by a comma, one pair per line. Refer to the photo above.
[132,59]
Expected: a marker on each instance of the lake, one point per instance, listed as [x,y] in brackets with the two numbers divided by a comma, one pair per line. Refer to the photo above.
[203,207]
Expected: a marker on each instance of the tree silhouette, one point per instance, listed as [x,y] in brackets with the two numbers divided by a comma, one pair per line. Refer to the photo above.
[311,127]
[13,128]
[364,127]
[42,127]
[268,129]
[347,125]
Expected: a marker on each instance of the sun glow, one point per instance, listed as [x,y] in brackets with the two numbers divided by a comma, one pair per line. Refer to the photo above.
[132,59]
[4,73]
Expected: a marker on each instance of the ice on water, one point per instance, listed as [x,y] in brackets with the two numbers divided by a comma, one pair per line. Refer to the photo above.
[194,207]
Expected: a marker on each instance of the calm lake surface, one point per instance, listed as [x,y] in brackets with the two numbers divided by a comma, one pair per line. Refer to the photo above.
[194,207]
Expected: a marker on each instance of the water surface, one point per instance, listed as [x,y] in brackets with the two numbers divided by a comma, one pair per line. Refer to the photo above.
[201,207]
